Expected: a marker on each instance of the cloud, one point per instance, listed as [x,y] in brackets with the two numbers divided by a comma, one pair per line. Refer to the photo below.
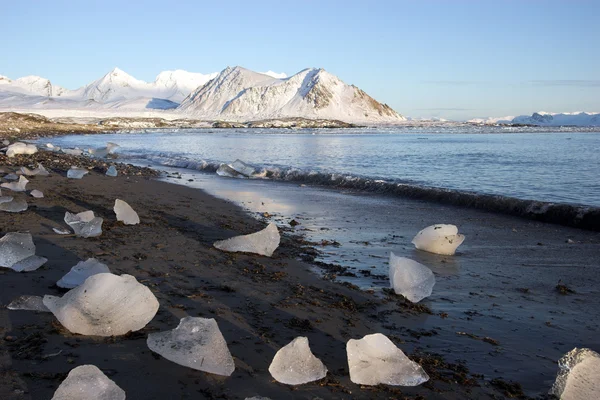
[567,82]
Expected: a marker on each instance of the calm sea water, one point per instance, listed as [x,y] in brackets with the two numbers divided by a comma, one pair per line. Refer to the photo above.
[561,167]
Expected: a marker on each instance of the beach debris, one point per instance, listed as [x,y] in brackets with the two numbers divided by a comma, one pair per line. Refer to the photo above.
[239,169]
[29,303]
[196,343]
[76,172]
[578,376]
[410,278]
[17,252]
[84,224]
[61,231]
[439,239]
[105,305]
[80,272]
[295,364]
[263,242]
[102,152]
[20,148]
[36,193]
[16,186]
[11,177]
[87,382]
[38,171]
[374,359]
[125,213]
[73,152]
[111,171]
[12,205]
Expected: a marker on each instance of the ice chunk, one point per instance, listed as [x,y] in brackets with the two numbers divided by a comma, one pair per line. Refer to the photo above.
[29,303]
[125,213]
[263,242]
[102,152]
[20,148]
[410,279]
[11,177]
[61,231]
[13,205]
[374,359]
[16,186]
[238,169]
[578,376]
[84,224]
[295,364]
[80,272]
[111,171]
[5,199]
[76,173]
[17,252]
[39,170]
[87,382]
[73,152]
[105,305]
[439,239]
[36,193]
[196,343]
[227,170]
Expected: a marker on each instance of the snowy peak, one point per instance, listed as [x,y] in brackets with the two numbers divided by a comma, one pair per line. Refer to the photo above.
[32,85]
[559,119]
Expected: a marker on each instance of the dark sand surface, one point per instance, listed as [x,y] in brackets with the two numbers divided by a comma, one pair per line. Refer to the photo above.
[262,303]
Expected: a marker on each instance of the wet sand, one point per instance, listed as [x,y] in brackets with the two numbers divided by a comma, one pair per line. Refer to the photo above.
[262,303]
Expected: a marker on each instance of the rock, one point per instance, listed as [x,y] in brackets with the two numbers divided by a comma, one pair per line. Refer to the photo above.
[439,239]
[76,172]
[84,224]
[263,242]
[111,171]
[16,186]
[39,171]
[36,193]
[125,213]
[295,364]
[105,305]
[28,303]
[20,148]
[13,205]
[87,382]
[578,376]
[17,252]
[80,272]
[410,279]
[374,359]
[196,343]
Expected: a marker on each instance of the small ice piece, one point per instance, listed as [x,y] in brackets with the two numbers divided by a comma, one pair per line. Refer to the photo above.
[196,343]
[61,231]
[17,252]
[76,172]
[295,364]
[36,193]
[73,152]
[227,170]
[111,171]
[237,169]
[84,224]
[13,205]
[5,199]
[105,305]
[374,359]
[87,382]
[39,170]
[28,303]
[80,272]
[439,239]
[410,279]
[20,148]
[49,145]
[263,242]
[11,177]
[16,186]
[578,376]
[102,152]
[125,213]
[5,142]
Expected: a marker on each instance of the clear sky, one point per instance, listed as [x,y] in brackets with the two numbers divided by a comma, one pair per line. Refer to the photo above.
[454,59]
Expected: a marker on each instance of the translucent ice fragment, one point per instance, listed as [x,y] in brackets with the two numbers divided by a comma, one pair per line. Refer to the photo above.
[87,382]
[36,193]
[11,177]
[578,376]
[238,169]
[5,199]
[84,224]
[76,172]
[14,205]
[73,152]
[263,242]
[80,272]
[125,213]
[29,303]
[39,170]
[439,239]
[227,170]
[29,264]
[111,171]
[374,359]
[295,364]
[61,231]
[16,186]
[196,343]
[17,252]
[104,305]
[20,148]
[410,279]
[104,151]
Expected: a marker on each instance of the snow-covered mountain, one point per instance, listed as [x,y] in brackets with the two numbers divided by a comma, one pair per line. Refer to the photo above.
[542,118]
[31,85]
[238,94]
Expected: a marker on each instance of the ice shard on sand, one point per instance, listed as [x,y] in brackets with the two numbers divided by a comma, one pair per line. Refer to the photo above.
[295,364]
[125,213]
[84,224]
[87,382]
[410,278]
[578,376]
[439,239]
[17,252]
[263,242]
[80,272]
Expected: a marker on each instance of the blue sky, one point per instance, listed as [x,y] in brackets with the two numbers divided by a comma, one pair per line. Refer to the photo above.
[453,59]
